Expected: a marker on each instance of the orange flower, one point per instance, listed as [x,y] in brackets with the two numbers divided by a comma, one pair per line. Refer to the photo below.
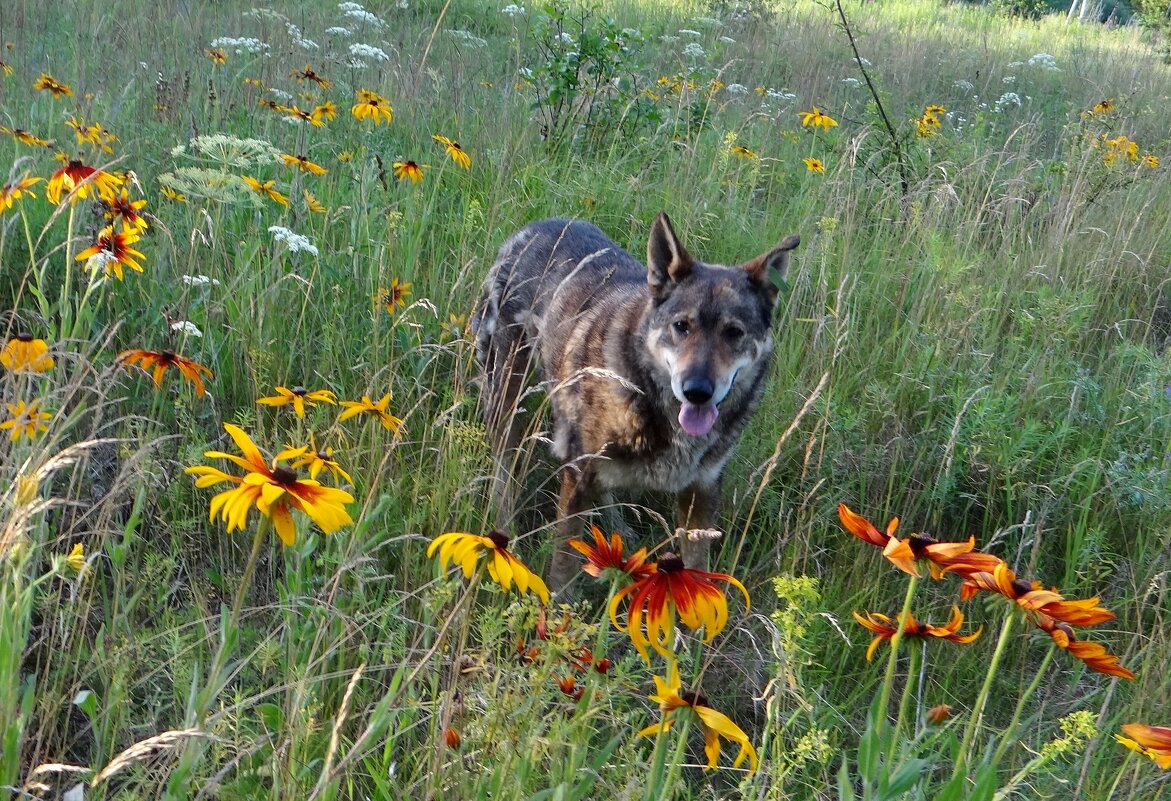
[404,170]
[465,549]
[79,181]
[451,738]
[157,363]
[1032,598]
[24,353]
[396,296]
[113,251]
[937,715]
[303,164]
[299,397]
[668,588]
[1152,741]
[216,55]
[899,553]
[602,556]
[10,193]
[308,74]
[122,207]
[885,628]
[47,83]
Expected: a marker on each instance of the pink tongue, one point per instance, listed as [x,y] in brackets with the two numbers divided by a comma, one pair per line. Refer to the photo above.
[698,420]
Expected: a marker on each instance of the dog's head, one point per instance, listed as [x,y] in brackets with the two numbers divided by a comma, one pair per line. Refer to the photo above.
[709,324]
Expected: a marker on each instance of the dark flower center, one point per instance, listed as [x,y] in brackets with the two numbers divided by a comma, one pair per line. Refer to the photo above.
[498,539]
[168,356]
[300,391]
[284,475]
[323,456]
[693,698]
[1020,587]
[24,336]
[671,564]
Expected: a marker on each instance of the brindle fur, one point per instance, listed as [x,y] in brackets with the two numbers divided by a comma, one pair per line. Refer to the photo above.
[604,332]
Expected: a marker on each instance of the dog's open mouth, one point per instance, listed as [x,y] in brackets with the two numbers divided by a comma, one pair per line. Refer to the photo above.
[698,420]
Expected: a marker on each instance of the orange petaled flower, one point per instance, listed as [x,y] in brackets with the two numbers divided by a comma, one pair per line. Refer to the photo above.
[303,164]
[122,207]
[394,297]
[25,420]
[216,55]
[308,74]
[741,152]
[267,189]
[898,552]
[1098,659]
[409,169]
[274,489]
[157,362]
[451,738]
[312,203]
[885,628]
[299,398]
[47,83]
[302,115]
[814,166]
[25,137]
[78,181]
[669,588]
[317,459]
[1152,741]
[96,134]
[10,193]
[938,715]
[1031,597]
[713,724]
[112,251]
[172,195]
[372,106]
[367,406]
[603,556]
[817,119]
[465,549]
[25,354]
[457,153]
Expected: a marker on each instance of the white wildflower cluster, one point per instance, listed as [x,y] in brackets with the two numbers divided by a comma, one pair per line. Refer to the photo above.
[292,240]
[355,11]
[299,40]
[564,38]
[736,89]
[338,30]
[689,32]
[525,73]
[668,39]
[865,62]
[239,46]
[1008,100]
[727,40]
[199,280]
[851,81]
[280,94]
[513,10]
[402,5]
[467,37]
[229,151]
[368,52]
[186,327]
[694,50]
[964,86]
[1008,80]
[1045,62]
[780,94]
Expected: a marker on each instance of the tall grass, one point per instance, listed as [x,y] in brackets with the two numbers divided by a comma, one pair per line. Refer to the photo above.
[983,354]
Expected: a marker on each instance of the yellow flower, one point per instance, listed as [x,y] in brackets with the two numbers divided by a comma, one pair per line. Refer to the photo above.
[409,169]
[1102,107]
[121,206]
[47,83]
[373,106]
[1151,160]
[739,151]
[1152,741]
[24,354]
[465,549]
[274,489]
[299,397]
[216,55]
[266,189]
[25,419]
[79,181]
[308,74]
[25,137]
[96,134]
[457,153]
[317,459]
[394,297]
[76,558]
[326,111]
[312,203]
[885,628]
[345,156]
[367,406]
[157,363]
[713,724]
[455,326]
[114,251]
[814,165]
[172,195]
[10,193]
[304,115]
[303,164]
[817,119]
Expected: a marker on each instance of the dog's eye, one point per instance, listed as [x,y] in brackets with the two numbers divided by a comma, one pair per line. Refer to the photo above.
[733,333]
[682,327]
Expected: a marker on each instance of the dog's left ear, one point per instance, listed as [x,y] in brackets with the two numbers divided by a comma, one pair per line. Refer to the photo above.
[775,261]
[667,261]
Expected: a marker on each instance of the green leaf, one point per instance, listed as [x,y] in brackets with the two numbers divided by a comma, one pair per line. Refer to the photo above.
[87,702]
[271,715]
[845,781]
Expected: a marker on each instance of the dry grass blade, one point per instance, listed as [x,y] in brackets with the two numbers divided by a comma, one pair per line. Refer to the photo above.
[145,749]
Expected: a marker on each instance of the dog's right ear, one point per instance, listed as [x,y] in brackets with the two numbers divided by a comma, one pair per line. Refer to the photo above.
[667,261]
[776,262]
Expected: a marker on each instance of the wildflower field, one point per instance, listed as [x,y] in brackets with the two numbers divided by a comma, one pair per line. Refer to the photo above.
[246,532]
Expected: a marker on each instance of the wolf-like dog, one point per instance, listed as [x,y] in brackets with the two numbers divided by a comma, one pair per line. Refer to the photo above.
[652,371]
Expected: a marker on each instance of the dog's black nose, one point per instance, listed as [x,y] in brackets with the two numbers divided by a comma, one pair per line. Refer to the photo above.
[698,390]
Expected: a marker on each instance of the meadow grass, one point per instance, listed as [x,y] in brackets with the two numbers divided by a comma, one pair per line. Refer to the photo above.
[981,351]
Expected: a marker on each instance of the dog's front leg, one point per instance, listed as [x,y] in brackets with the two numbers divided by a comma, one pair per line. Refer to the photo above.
[698,506]
[576,497]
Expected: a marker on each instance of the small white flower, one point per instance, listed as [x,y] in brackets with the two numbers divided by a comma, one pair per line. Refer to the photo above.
[293,241]
[865,62]
[783,94]
[513,10]
[1012,65]
[564,38]
[240,46]
[694,50]
[355,11]
[280,94]
[198,280]
[851,81]
[1009,79]
[736,89]
[964,86]
[402,5]
[668,39]
[727,40]
[525,73]
[689,32]
[1008,100]
[468,38]
[1045,61]
[370,52]
[186,327]
[338,30]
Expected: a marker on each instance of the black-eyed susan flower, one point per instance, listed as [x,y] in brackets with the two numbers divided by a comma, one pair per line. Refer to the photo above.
[465,550]
[938,714]
[325,111]
[217,55]
[307,74]
[345,156]
[814,166]
[121,207]
[1150,160]
[603,556]
[372,106]
[404,170]
[298,397]
[1106,106]
[26,354]
[816,118]
[670,589]
[712,724]
[885,628]
[303,115]
[157,362]
[367,406]
[173,195]
[316,459]
[25,137]
[11,193]
[112,251]
[47,83]
[454,327]
[453,149]
[78,181]
[274,489]
[312,203]
[1032,597]
[303,164]
[25,420]
[7,69]
[742,152]
[895,550]
[1152,741]
[267,189]
[95,134]
[394,297]
[76,558]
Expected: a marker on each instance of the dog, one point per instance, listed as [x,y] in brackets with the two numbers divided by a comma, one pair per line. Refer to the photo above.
[652,371]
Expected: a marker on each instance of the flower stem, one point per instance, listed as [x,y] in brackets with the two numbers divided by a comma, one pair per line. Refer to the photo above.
[1020,706]
[982,698]
[892,660]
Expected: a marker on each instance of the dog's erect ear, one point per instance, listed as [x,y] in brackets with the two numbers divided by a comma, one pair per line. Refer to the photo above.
[776,261]
[667,261]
